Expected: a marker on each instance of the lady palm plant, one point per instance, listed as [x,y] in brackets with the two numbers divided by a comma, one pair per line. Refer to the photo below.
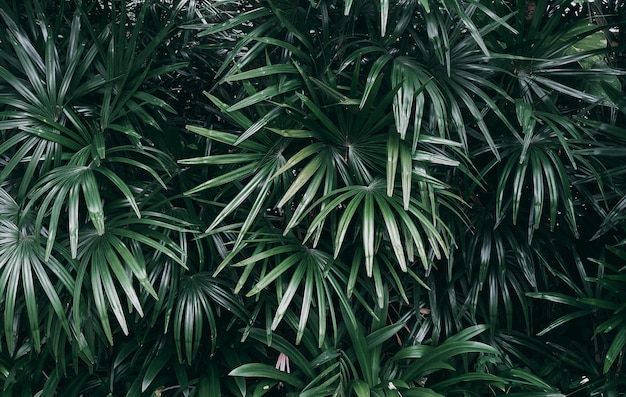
[560,176]
[365,139]
[99,270]
[491,116]
[364,199]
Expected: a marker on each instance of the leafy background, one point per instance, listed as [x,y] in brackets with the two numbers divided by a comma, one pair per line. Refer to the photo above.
[357,198]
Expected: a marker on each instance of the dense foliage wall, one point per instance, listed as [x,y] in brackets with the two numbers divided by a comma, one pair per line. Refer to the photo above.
[355,198]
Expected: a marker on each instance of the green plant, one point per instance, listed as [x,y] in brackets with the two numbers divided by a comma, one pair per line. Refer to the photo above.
[320,198]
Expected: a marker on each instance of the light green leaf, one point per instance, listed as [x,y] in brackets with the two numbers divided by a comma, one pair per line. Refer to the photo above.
[254,370]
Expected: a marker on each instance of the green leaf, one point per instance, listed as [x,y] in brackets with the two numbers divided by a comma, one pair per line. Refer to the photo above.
[615,350]
[384,16]
[379,336]
[153,369]
[254,370]
[374,76]
[393,232]
[473,378]
[556,297]
[368,232]
[361,389]
[93,201]
[346,219]
[434,358]
[531,379]
[393,148]
[357,337]
[265,94]
[288,294]
[262,72]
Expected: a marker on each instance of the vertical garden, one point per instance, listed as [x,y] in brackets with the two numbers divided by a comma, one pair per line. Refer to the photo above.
[312,198]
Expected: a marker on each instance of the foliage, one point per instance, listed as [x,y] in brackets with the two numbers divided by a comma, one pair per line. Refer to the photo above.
[358,198]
